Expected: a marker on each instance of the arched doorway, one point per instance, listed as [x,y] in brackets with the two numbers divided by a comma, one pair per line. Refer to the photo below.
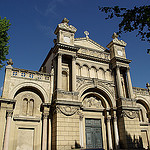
[96,107]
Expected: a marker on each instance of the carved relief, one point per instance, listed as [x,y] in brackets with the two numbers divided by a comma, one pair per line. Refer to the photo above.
[94,53]
[66,110]
[92,102]
[140,91]
[82,81]
[130,114]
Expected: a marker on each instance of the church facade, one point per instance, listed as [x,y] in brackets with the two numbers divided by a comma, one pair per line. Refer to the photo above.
[81,98]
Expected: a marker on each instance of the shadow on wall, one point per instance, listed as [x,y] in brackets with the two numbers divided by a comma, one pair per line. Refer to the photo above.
[133,143]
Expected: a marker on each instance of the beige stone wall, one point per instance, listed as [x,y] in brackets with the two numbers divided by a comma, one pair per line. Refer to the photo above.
[2,122]
[65,131]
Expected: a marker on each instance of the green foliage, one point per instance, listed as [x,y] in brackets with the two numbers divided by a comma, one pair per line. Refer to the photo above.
[4,38]
[137,19]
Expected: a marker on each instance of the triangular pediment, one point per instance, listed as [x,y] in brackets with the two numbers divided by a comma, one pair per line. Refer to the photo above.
[88,43]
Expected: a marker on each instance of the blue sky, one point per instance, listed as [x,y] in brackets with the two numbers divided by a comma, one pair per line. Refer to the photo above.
[33,23]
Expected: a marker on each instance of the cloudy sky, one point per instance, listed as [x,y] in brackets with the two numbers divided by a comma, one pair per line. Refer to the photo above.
[33,23]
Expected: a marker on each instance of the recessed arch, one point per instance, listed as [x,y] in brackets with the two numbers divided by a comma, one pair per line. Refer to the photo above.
[99,96]
[142,102]
[100,90]
[29,86]
[32,89]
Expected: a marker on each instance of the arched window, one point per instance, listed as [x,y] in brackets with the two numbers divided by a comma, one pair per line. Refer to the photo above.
[85,71]
[31,107]
[25,106]
[65,81]
[108,75]
[143,117]
[78,71]
[93,72]
[101,74]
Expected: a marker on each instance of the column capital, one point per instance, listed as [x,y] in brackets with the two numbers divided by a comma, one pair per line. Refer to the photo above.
[59,55]
[128,68]
[45,115]
[74,58]
[9,113]
[118,67]
[108,118]
[81,117]
[115,118]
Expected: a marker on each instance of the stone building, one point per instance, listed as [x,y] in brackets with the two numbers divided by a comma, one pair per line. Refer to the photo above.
[82,96]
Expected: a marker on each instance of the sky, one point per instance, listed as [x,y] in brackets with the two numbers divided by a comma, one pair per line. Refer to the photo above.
[33,23]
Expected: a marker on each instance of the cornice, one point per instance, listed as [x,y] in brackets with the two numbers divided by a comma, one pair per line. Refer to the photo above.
[115,59]
[67,47]
[93,58]
[3,100]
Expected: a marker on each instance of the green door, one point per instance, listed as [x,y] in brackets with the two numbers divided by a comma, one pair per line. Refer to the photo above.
[93,130]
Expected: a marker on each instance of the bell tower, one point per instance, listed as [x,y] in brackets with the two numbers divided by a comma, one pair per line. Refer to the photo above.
[66,56]
[127,110]
[120,65]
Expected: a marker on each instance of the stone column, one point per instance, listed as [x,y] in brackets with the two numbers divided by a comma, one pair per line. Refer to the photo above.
[129,83]
[118,80]
[73,73]
[116,133]
[59,69]
[109,133]
[45,136]
[7,129]
[52,84]
[81,130]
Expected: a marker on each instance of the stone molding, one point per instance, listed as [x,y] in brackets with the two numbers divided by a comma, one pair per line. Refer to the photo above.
[26,118]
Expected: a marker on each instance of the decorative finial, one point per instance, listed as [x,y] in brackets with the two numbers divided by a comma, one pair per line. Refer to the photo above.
[114,35]
[10,62]
[86,34]
[65,20]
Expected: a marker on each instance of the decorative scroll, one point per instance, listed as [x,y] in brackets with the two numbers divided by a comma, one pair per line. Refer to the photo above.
[67,110]
[130,114]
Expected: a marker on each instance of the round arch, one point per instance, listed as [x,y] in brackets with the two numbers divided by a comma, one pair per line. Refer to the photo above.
[142,102]
[105,92]
[30,86]
[101,97]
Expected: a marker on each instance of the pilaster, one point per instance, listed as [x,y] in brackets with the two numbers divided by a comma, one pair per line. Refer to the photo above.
[59,69]
[74,73]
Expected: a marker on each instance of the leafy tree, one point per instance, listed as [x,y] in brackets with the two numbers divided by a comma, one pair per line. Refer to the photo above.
[4,38]
[137,19]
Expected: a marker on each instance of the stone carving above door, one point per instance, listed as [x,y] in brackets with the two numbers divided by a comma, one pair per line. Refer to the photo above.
[92,102]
